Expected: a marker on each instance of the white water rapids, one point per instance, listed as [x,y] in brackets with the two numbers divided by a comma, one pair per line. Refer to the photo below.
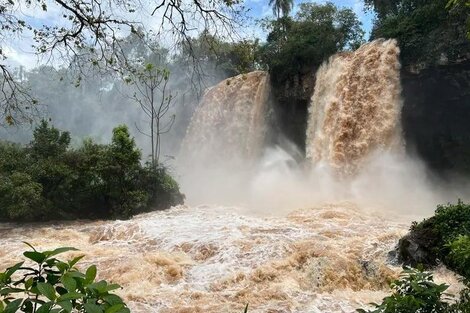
[331,258]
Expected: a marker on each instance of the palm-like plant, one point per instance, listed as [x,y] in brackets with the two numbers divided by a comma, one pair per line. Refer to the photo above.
[284,6]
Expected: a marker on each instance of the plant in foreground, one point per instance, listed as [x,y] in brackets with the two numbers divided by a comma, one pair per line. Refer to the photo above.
[55,286]
[414,291]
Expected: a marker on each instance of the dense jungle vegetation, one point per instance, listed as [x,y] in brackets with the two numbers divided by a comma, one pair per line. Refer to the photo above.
[49,180]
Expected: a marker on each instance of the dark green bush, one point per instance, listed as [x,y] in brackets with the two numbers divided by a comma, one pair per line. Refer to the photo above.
[416,291]
[48,180]
[450,230]
[459,255]
[55,286]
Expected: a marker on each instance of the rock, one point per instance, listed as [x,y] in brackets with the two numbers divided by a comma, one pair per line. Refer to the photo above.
[435,116]
[418,247]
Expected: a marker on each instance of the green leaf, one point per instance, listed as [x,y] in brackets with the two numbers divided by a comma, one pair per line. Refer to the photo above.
[92,308]
[62,266]
[112,287]
[70,296]
[115,308]
[13,306]
[75,260]
[76,274]
[59,251]
[37,257]
[45,308]
[28,283]
[7,291]
[28,306]
[66,305]
[47,290]
[69,283]
[99,286]
[112,299]
[90,274]
[29,245]
[10,271]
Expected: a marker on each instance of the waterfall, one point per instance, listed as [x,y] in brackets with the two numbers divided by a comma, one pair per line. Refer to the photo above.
[356,107]
[229,123]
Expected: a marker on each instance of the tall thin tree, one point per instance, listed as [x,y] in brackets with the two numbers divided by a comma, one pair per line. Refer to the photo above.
[153,96]
[281,6]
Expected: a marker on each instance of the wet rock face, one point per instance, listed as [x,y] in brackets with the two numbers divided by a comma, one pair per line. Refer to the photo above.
[436,116]
[291,100]
[418,247]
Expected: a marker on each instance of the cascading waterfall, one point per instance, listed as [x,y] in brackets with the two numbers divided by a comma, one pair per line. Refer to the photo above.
[356,107]
[229,123]
[225,140]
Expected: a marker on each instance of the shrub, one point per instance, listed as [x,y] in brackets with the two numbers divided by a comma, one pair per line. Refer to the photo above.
[55,286]
[459,255]
[415,291]
[21,197]
[444,237]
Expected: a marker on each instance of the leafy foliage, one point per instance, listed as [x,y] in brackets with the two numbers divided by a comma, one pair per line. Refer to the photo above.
[428,31]
[315,33]
[55,286]
[48,180]
[416,291]
[450,232]
[459,256]
[449,221]
[455,3]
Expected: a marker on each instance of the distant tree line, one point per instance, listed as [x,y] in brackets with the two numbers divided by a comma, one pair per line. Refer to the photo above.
[48,180]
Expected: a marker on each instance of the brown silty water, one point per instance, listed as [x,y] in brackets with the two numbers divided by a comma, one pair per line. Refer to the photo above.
[356,107]
[229,123]
[330,258]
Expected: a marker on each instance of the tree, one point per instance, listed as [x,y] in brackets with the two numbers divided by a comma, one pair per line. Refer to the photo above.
[314,34]
[428,31]
[49,141]
[20,197]
[154,99]
[284,6]
[120,173]
[89,35]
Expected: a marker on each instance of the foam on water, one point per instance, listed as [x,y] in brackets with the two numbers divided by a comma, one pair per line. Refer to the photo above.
[331,258]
